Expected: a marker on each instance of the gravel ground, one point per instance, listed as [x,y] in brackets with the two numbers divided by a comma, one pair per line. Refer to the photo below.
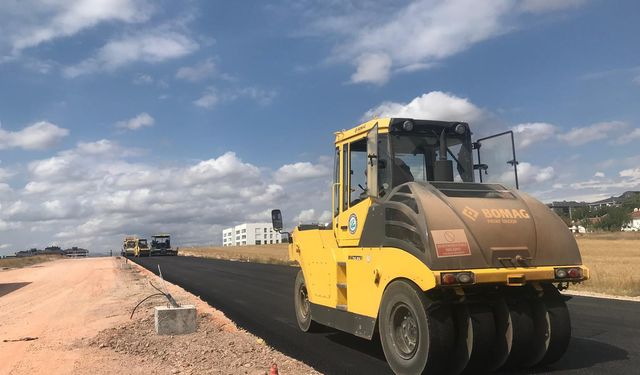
[76,314]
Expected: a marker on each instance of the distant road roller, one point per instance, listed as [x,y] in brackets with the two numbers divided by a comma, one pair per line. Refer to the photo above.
[453,272]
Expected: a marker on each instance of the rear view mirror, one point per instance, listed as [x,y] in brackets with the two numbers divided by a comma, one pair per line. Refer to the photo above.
[276,220]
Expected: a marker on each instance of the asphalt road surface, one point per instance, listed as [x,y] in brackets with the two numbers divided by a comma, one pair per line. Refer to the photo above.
[259,298]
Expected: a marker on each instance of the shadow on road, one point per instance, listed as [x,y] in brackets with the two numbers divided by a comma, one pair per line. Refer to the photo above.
[372,348]
[582,354]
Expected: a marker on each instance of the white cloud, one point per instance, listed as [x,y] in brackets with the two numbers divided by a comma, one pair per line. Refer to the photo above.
[530,133]
[38,136]
[103,146]
[636,80]
[301,171]
[143,79]
[598,174]
[435,105]
[208,100]
[29,23]
[260,96]
[372,68]
[632,136]
[633,173]
[210,97]
[582,135]
[92,195]
[384,37]
[529,174]
[197,72]
[140,121]
[309,216]
[149,46]
[423,32]
[543,6]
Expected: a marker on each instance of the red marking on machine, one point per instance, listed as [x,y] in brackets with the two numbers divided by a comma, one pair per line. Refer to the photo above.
[451,243]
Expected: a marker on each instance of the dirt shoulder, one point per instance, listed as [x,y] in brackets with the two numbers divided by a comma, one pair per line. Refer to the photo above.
[77,313]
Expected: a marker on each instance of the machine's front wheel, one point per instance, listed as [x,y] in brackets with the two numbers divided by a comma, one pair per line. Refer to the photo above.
[415,338]
[303,306]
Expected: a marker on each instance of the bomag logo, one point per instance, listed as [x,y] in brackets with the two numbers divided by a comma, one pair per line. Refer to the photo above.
[505,213]
[470,213]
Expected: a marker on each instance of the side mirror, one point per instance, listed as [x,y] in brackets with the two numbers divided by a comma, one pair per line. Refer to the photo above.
[276,220]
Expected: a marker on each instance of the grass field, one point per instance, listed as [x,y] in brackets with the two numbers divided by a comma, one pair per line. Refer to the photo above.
[613,259]
[26,261]
[272,254]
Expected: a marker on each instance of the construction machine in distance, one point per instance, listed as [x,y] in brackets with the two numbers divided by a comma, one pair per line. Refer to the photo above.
[161,245]
[128,246]
[454,273]
[134,246]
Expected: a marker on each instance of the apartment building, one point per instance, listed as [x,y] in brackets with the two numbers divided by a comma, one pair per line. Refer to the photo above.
[250,234]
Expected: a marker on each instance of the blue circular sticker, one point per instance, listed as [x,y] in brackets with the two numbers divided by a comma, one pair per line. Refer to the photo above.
[353,223]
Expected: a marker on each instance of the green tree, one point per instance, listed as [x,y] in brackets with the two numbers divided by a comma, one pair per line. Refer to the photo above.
[614,219]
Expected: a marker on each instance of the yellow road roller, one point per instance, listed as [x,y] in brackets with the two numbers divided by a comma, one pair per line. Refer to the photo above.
[433,249]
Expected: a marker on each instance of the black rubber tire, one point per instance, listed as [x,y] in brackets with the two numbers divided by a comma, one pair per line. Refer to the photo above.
[464,341]
[539,342]
[417,337]
[501,349]
[523,327]
[484,338]
[303,314]
[559,325]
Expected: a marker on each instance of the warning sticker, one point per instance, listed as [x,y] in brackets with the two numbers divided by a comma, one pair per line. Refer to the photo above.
[451,243]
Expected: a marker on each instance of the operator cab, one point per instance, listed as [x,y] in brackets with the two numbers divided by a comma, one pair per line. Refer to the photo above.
[161,241]
[379,156]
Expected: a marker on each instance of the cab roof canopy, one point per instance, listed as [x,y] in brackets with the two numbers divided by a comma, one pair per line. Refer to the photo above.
[161,235]
[391,124]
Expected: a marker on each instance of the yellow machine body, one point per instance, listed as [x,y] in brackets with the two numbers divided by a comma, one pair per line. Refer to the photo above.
[344,274]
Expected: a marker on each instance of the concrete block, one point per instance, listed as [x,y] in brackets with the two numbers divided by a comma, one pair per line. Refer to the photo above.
[175,320]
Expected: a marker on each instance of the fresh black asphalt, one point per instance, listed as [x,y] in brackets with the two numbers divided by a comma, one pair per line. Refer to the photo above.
[259,298]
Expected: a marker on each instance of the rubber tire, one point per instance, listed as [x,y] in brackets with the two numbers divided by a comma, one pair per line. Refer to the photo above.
[484,339]
[305,323]
[464,342]
[539,342]
[560,325]
[501,348]
[435,331]
[523,329]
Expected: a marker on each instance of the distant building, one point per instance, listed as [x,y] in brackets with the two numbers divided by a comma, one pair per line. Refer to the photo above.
[566,208]
[250,234]
[634,224]
[76,252]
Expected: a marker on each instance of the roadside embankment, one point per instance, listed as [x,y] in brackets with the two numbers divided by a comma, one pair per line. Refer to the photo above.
[270,254]
[71,316]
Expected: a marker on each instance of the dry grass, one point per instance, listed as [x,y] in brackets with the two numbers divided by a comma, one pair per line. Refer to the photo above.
[26,261]
[270,254]
[614,261]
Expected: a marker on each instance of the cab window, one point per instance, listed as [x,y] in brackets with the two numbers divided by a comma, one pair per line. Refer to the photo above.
[357,172]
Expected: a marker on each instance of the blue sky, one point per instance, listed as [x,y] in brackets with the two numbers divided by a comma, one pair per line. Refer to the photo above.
[135,116]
